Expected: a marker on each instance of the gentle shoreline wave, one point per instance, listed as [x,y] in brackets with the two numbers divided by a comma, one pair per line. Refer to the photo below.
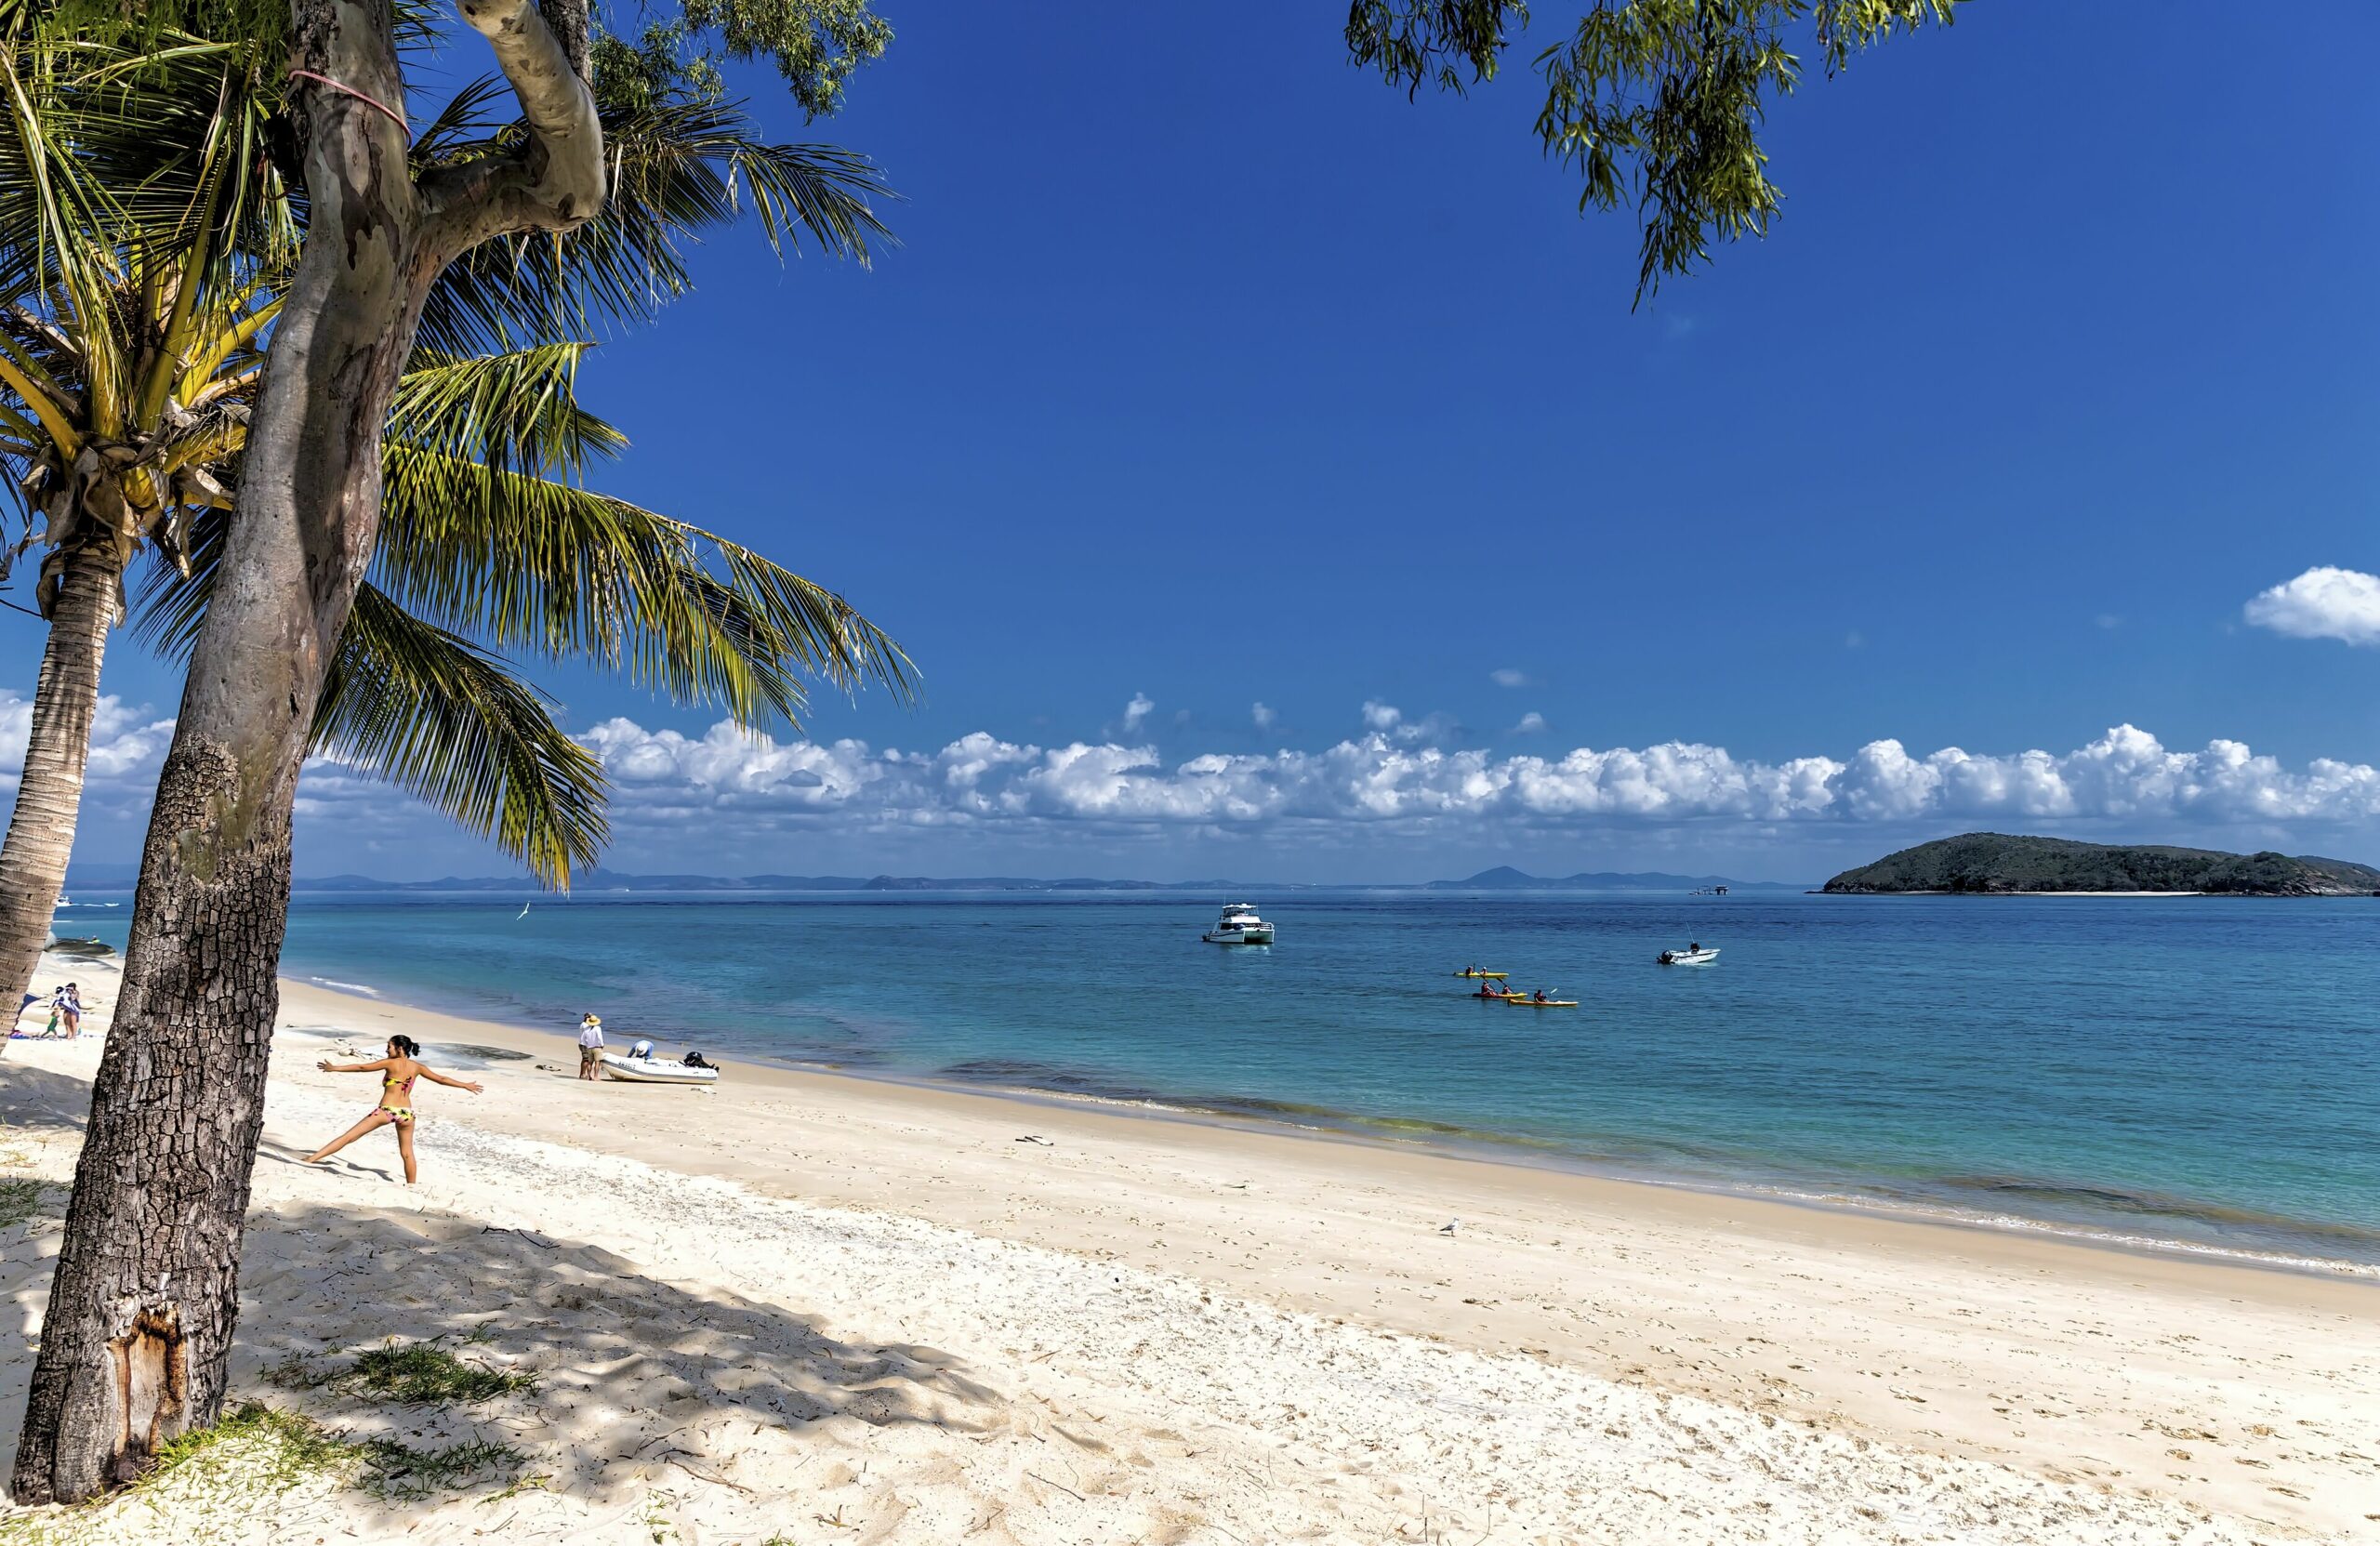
[1495,1147]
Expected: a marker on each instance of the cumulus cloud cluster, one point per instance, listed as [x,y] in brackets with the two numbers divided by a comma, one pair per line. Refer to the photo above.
[1396,776]
[1383,777]
[2324,602]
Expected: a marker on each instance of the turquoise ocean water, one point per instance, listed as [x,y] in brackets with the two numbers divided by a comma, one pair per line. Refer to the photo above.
[2198,1071]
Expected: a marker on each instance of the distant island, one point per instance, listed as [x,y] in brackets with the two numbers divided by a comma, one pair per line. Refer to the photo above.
[1993,864]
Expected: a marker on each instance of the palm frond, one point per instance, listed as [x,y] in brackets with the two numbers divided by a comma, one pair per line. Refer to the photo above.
[681,167]
[516,410]
[540,566]
[414,705]
[535,566]
[139,145]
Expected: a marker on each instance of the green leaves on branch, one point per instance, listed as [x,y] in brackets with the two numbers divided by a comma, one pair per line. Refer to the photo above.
[1415,43]
[1658,102]
[817,44]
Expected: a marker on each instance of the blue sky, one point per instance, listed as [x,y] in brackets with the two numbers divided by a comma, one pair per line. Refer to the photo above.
[1211,371]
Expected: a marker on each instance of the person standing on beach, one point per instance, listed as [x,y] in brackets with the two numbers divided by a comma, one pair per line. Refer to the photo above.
[590,1046]
[397,1071]
[70,1009]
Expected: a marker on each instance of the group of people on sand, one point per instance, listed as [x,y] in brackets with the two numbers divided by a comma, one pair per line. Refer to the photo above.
[590,1047]
[65,1011]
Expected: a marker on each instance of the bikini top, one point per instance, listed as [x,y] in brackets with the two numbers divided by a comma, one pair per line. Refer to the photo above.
[390,1082]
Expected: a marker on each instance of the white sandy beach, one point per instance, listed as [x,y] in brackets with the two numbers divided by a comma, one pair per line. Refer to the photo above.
[804,1308]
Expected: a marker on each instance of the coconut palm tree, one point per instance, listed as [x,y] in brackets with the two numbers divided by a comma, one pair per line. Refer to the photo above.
[146,235]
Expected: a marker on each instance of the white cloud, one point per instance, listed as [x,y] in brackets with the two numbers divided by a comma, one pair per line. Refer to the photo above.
[1263,716]
[2125,784]
[1137,710]
[1531,723]
[1509,676]
[982,782]
[2324,602]
[125,743]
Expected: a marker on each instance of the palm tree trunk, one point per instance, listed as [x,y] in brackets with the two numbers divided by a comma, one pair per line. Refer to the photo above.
[49,793]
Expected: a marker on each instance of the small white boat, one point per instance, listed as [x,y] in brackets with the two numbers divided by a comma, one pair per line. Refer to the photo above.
[1696,957]
[1240,925]
[652,1071]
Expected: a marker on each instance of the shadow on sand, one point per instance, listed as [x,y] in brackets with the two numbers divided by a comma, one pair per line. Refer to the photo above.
[633,1376]
[631,1372]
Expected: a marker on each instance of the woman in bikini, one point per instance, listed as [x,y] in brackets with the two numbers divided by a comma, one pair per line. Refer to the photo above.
[397,1071]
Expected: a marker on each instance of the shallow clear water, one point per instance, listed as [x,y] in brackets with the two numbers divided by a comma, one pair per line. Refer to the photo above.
[2200,1070]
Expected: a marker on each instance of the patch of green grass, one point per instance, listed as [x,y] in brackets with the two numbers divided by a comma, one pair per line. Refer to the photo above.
[19,1200]
[426,1374]
[398,1471]
[242,1465]
[282,1448]
[421,1374]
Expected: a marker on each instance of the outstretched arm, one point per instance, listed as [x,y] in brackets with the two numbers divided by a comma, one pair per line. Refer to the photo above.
[328,1066]
[434,1076]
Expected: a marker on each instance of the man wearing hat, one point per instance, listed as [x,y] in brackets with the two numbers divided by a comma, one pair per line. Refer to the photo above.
[590,1046]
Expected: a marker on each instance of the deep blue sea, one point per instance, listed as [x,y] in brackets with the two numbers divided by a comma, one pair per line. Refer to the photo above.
[2199,1071]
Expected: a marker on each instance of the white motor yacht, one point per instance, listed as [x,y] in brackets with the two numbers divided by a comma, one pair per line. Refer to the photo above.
[1240,925]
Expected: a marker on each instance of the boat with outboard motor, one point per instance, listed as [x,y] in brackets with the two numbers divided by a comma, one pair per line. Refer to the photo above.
[630,1070]
[1240,925]
[1693,955]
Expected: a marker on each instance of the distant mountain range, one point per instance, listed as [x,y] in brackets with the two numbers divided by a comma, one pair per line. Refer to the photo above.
[1503,877]
[1992,863]
[116,877]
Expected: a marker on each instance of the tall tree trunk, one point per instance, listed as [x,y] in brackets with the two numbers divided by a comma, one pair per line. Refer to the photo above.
[137,1343]
[49,792]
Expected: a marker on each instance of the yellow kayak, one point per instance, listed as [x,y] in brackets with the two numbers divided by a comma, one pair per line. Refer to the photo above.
[1541,1003]
[1482,973]
[1506,997]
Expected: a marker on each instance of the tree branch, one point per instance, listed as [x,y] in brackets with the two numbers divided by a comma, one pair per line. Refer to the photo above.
[554,182]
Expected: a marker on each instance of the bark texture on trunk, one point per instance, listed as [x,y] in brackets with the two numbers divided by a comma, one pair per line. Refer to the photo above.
[136,1344]
[49,794]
